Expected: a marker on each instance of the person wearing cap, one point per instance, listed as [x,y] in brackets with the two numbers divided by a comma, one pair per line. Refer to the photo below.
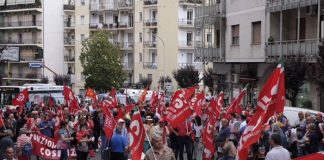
[22,140]
[162,130]
[6,142]
[119,144]
[159,151]
[123,129]
[148,126]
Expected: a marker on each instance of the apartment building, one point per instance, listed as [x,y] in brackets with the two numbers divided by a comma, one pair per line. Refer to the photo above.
[251,38]
[156,36]
[39,37]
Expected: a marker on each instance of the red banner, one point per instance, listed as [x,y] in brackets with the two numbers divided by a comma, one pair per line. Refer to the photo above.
[21,98]
[46,148]
[136,136]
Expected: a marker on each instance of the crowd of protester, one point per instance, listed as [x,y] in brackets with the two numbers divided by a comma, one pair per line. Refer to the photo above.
[280,139]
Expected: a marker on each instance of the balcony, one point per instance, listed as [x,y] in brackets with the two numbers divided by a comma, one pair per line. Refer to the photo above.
[20,25]
[149,44]
[305,49]
[186,45]
[278,5]
[69,7]
[186,23]
[126,45]
[125,4]
[21,5]
[69,42]
[149,65]
[29,58]
[186,2]
[69,59]
[69,24]
[21,42]
[150,2]
[100,7]
[208,55]
[189,64]
[151,23]
[128,65]
[24,76]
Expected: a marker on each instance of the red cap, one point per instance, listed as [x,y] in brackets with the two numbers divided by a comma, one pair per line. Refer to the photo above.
[320,114]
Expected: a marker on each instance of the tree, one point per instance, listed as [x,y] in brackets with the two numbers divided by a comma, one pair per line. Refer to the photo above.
[315,72]
[101,62]
[295,77]
[164,79]
[186,77]
[62,79]
[146,83]
[209,79]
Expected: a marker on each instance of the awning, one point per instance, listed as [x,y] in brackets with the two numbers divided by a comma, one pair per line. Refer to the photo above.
[314,156]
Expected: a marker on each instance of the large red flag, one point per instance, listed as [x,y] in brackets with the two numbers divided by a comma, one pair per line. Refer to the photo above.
[235,105]
[21,98]
[71,100]
[154,100]
[92,94]
[207,139]
[179,109]
[113,94]
[110,122]
[136,136]
[1,120]
[197,102]
[190,92]
[272,96]
[142,98]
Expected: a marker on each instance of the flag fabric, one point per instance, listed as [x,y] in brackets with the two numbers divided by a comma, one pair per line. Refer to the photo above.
[120,114]
[51,102]
[142,98]
[154,102]
[190,92]
[197,102]
[92,94]
[21,98]
[136,136]
[235,105]
[1,120]
[271,98]
[129,108]
[72,102]
[214,108]
[113,94]
[161,105]
[207,139]
[109,124]
[179,109]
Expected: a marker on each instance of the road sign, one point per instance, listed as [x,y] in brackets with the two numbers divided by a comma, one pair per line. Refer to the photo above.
[35,65]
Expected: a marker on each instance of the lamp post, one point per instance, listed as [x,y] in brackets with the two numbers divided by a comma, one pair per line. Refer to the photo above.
[163,44]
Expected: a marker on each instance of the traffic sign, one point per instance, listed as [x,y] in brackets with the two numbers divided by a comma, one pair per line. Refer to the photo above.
[35,65]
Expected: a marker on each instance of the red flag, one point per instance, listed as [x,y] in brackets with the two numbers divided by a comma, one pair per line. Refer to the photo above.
[92,94]
[215,110]
[71,100]
[51,102]
[235,105]
[190,92]
[250,135]
[161,106]
[207,139]
[136,136]
[154,100]
[271,98]
[21,98]
[113,94]
[120,114]
[197,102]
[129,108]
[109,124]
[142,98]
[1,120]
[179,109]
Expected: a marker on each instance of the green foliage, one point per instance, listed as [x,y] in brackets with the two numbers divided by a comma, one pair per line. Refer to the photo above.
[101,62]
[62,79]
[146,82]
[295,77]
[164,79]
[186,77]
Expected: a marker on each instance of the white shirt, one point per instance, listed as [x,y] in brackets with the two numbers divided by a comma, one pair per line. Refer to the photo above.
[278,153]
[198,130]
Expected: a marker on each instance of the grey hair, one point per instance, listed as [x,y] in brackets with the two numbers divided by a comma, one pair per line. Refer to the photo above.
[155,137]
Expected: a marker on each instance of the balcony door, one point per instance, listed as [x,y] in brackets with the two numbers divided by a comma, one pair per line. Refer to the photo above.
[189,16]
[302,29]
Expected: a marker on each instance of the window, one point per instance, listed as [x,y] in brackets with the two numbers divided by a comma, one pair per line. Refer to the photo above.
[189,58]
[101,19]
[140,37]
[149,76]
[189,16]
[154,55]
[82,19]
[140,76]
[209,37]
[82,37]
[140,57]
[236,35]
[82,2]
[189,38]
[140,16]
[256,32]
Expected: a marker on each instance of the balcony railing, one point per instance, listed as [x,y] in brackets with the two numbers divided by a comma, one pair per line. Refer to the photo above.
[186,22]
[69,24]
[152,22]
[184,65]
[101,6]
[125,4]
[149,44]
[21,24]
[292,49]
[21,41]
[207,11]
[208,55]
[128,65]
[149,65]
[68,41]
[28,57]
[186,44]
[124,45]
[69,7]
[25,76]
[277,5]
[191,1]
[150,2]
[22,4]
[69,58]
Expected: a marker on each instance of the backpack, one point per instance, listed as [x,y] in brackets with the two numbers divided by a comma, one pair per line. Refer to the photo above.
[27,150]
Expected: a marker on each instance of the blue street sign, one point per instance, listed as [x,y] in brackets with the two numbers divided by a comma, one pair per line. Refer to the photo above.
[35,65]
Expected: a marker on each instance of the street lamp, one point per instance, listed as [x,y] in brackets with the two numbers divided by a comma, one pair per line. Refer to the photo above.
[163,44]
